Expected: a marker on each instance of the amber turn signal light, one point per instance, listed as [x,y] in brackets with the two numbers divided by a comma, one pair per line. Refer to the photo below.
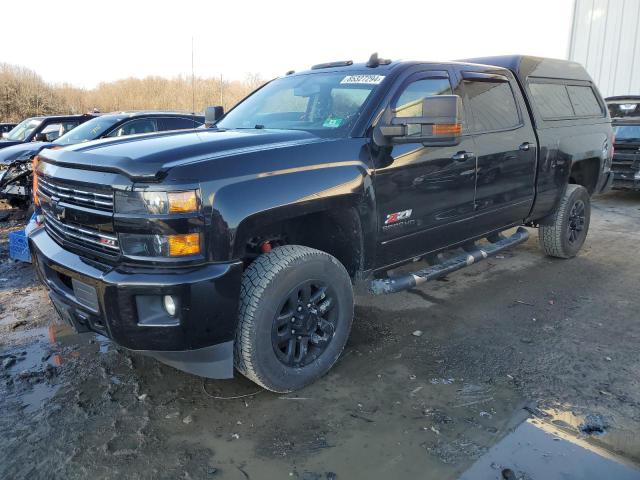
[447,129]
[182,202]
[188,244]
[34,192]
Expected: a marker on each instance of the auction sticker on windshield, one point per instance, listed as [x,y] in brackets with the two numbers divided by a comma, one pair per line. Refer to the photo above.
[362,79]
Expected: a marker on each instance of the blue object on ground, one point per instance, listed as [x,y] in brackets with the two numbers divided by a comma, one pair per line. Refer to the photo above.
[19,246]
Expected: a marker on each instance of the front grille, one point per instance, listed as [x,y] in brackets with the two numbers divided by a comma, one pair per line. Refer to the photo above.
[79,236]
[74,196]
[626,162]
[79,217]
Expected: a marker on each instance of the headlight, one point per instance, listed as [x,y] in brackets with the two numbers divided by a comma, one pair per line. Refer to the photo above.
[156,203]
[137,245]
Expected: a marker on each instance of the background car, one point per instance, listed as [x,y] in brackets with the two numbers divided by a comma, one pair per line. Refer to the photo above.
[15,161]
[6,128]
[42,129]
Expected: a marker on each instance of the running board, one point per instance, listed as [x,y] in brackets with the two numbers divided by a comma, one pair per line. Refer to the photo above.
[471,256]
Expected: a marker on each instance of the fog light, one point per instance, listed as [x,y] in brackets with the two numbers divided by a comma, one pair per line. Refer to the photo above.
[169,305]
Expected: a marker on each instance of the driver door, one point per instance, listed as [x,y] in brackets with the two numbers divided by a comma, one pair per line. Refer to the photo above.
[424,194]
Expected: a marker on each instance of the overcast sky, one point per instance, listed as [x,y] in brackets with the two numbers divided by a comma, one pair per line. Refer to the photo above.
[84,42]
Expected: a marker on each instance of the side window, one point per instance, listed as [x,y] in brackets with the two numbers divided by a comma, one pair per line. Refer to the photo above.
[51,128]
[409,103]
[55,130]
[584,101]
[492,105]
[176,123]
[145,125]
[552,100]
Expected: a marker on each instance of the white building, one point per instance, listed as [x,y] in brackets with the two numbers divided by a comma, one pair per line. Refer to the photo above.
[605,38]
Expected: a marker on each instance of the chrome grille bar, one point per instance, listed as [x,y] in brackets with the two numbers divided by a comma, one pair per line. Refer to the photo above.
[63,230]
[101,201]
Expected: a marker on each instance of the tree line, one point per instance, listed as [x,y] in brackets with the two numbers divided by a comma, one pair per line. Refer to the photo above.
[23,93]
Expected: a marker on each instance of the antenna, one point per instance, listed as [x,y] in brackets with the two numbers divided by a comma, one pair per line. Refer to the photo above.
[193,82]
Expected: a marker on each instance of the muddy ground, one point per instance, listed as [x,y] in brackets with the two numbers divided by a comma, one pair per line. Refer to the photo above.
[432,383]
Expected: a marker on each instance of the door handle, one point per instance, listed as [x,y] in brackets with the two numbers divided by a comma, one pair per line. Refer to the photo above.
[525,147]
[462,156]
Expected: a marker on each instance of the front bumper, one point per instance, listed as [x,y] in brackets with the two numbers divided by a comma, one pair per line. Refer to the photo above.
[626,181]
[121,303]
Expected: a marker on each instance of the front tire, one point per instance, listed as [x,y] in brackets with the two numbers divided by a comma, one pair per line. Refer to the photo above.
[296,310]
[567,230]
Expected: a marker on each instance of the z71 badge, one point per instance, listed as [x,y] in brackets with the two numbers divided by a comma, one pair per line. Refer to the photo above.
[397,217]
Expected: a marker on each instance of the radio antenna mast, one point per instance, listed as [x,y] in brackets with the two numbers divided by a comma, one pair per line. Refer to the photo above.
[193,82]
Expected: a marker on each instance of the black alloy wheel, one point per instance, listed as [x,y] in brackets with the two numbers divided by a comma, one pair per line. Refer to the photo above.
[575,225]
[305,323]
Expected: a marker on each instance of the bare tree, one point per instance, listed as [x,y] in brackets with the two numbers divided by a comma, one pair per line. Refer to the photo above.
[24,93]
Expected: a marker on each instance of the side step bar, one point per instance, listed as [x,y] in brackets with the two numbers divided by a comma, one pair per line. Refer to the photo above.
[472,255]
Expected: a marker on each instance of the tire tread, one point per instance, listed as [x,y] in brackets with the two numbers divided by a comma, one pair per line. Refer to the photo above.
[551,236]
[255,280]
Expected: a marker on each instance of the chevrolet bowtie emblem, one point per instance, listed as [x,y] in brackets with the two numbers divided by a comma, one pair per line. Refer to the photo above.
[58,210]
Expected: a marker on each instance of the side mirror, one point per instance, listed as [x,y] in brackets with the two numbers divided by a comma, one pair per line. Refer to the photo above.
[212,115]
[40,137]
[433,121]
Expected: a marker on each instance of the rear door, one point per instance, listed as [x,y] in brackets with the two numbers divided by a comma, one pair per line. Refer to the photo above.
[505,146]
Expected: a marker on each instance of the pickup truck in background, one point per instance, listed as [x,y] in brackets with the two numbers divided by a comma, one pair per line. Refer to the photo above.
[625,117]
[241,244]
[15,161]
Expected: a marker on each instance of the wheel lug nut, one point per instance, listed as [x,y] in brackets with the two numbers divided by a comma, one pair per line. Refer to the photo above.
[308,305]
[299,309]
[299,337]
[293,331]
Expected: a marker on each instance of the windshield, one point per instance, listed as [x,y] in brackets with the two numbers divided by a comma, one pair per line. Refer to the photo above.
[627,133]
[22,131]
[90,130]
[323,103]
[624,109]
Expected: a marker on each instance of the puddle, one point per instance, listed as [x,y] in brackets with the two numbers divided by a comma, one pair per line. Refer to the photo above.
[30,375]
[597,430]
[550,448]
[34,366]
[40,392]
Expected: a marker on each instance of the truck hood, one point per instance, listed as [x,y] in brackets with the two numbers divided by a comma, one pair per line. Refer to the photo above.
[22,151]
[149,157]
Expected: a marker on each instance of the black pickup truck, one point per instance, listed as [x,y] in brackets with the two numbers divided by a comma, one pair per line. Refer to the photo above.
[240,244]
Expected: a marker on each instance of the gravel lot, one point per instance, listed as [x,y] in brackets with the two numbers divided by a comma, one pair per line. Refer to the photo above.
[432,381]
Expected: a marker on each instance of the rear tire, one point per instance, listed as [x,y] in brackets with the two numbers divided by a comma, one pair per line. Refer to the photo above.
[567,230]
[296,310]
